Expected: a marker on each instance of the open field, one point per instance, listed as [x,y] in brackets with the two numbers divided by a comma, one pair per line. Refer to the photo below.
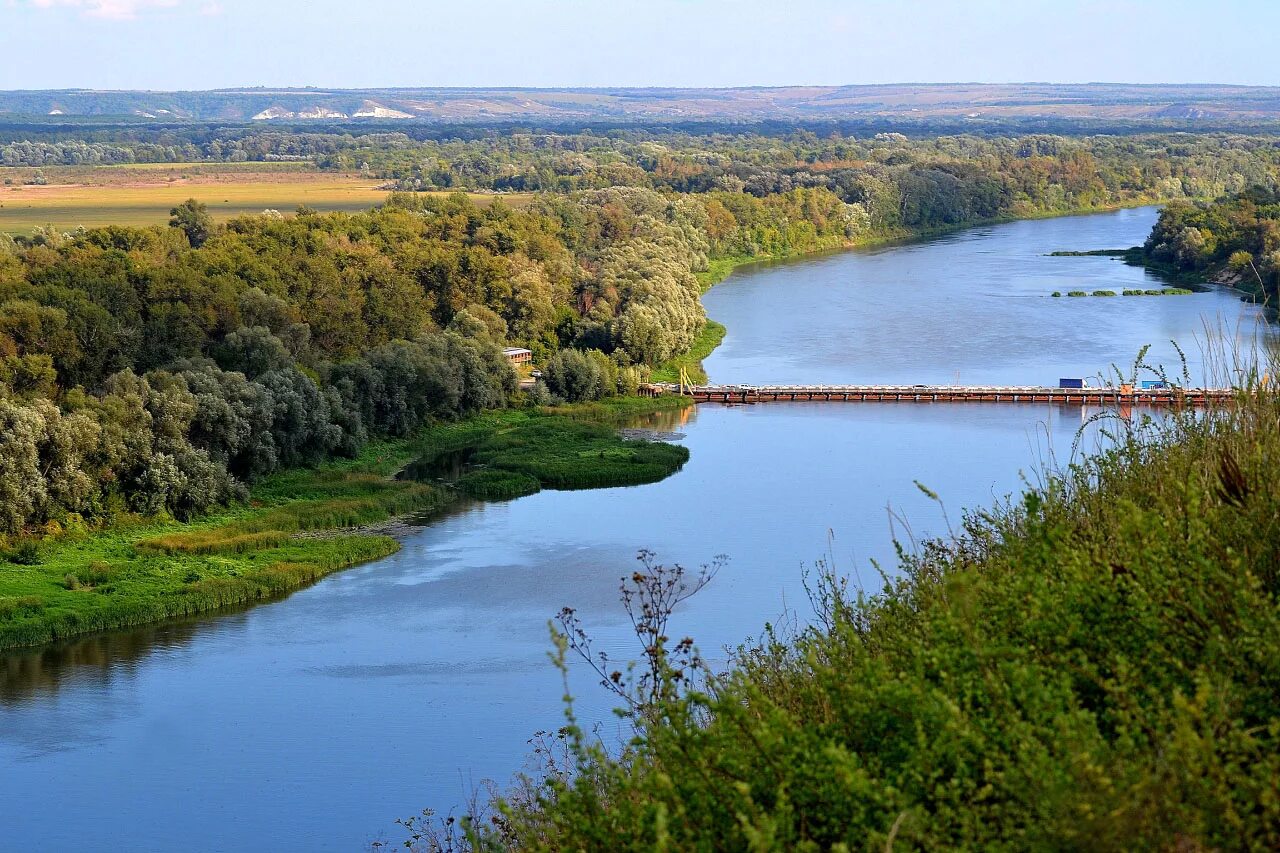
[143,194]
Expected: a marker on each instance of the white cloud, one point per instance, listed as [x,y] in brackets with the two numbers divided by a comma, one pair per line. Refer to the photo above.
[117,10]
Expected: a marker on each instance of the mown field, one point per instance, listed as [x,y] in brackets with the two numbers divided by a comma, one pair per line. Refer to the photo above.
[144,194]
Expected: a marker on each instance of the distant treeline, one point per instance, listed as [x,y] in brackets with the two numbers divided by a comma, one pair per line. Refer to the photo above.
[903,181]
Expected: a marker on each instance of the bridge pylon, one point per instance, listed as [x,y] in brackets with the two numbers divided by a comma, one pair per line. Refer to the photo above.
[686,384]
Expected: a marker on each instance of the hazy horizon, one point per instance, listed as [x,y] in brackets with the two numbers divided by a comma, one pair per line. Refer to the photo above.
[604,87]
[193,45]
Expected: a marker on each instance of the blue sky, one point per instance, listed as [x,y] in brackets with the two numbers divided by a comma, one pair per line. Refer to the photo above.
[190,44]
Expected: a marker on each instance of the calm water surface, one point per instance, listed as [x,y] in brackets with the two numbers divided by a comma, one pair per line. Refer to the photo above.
[970,308]
[312,723]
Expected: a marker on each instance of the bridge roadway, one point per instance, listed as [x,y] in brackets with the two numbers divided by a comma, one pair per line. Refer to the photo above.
[1123,395]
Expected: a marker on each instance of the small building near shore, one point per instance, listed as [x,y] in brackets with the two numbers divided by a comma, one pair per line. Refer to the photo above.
[518,355]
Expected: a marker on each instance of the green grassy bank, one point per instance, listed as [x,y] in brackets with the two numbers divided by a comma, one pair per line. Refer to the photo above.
[1096,666]
[708,339]
[301,525]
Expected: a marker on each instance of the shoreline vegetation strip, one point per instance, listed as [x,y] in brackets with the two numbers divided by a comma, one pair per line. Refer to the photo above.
[304,524]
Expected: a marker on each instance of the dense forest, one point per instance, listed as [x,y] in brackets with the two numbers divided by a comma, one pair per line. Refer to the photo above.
[1234,239]
[160,369]
[149,369]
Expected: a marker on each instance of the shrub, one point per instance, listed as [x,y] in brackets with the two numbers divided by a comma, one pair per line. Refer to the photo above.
[95,574]
[497,485]
[15,607]
[574,376]
[26,554]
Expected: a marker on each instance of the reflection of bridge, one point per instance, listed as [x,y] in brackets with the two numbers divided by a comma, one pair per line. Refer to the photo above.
[1122,395]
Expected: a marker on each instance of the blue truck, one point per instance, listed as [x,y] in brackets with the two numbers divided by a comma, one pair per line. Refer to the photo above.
[1070,383]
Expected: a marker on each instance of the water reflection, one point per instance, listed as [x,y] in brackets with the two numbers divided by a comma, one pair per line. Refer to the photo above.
[972,308]
[93,660]
[446,466]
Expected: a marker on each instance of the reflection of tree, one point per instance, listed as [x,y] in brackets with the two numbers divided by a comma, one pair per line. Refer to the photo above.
[667,421]
[99,658]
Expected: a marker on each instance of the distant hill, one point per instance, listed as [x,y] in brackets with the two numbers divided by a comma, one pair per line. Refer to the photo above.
[1103,101]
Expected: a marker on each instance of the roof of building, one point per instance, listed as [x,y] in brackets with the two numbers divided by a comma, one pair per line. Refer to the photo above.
[516,351]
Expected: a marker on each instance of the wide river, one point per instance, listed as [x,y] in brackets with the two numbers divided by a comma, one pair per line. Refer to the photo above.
[313,722]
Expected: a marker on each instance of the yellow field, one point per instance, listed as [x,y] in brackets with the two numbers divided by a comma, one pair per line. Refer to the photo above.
[131,196]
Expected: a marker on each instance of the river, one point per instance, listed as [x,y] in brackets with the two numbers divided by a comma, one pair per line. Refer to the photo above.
[313,722]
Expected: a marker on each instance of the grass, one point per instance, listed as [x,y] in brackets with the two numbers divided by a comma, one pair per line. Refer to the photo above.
[719,269]
[708,339]
[517,453]
[301,525]
[498,485]
[139,196]
[614,410]
[153,569]
[1095,665]
[567,453]
[1168,291]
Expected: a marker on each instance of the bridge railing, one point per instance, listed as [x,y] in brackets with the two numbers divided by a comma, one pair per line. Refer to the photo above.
[1104,391]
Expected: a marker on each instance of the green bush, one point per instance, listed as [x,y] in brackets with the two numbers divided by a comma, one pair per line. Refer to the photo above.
[497,485]
[562,453]
[1104,293]
[26,554]
[1077,293]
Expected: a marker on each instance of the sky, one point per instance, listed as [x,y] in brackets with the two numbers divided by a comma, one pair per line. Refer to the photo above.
[202,44]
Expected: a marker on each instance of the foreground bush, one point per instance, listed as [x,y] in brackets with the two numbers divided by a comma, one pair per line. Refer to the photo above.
[1097,666]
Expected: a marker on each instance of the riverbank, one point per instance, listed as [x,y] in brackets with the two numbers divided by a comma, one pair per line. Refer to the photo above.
[302,525]
[1097,658]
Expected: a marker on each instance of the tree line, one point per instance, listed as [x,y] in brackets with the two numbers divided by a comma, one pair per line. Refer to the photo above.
[149,369]
[1235,238]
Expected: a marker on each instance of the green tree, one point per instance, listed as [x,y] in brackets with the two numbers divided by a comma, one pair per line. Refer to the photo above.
[574,376]
[194,220]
